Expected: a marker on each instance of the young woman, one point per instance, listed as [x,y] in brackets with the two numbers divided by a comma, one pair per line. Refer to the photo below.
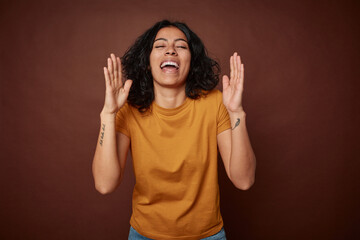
[171,117]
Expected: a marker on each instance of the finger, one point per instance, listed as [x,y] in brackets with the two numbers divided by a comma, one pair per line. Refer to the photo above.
[107,79]
[110,69]
[119,71]
[236,70]
[242,76]
[115,72]
[238,66]
[225,81]
[231,69]
[114,63]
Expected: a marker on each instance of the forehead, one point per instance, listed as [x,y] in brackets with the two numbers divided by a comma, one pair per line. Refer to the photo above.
[170,33]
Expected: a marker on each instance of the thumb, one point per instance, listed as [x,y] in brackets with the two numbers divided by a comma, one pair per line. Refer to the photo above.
[225,81]
[127,85]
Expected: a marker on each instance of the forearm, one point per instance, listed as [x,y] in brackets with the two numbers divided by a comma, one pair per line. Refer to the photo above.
[106,167]
[242,159]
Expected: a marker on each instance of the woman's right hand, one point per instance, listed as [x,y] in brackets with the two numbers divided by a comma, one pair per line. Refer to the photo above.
[117,91]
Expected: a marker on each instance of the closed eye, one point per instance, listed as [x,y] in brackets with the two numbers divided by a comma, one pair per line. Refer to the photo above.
[161,46]
[182,47]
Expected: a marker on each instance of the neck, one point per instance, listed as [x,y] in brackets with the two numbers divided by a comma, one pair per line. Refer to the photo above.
[169,97]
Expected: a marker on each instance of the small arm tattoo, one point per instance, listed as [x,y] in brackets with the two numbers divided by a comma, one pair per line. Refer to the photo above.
[236,124]
[102,134]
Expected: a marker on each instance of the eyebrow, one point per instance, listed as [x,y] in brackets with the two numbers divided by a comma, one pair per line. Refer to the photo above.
[178,39]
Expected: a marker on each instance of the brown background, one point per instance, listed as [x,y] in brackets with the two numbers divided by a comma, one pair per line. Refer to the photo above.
[301,78]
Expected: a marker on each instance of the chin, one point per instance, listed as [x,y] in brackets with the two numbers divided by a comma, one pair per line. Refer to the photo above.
[170,84]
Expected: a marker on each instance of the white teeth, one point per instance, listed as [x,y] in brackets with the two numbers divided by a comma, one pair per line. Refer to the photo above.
[169,63]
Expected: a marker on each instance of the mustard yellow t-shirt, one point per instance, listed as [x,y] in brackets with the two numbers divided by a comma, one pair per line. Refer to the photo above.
[174,152]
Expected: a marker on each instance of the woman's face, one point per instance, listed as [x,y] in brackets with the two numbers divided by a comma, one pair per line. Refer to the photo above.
[170,58]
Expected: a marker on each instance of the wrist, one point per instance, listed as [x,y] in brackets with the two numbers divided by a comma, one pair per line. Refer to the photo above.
[237,114]
[237,117]
[104,115]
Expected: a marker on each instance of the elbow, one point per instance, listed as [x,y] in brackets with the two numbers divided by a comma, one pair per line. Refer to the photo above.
[104,190]
[244,184]
[245,180]
[105,184]
[107,187]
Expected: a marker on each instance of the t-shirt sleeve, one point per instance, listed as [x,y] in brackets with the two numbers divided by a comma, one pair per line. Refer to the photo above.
[223,119]
[121,122]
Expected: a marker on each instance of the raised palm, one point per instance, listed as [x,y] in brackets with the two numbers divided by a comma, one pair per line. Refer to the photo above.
[117,91]
[233,87]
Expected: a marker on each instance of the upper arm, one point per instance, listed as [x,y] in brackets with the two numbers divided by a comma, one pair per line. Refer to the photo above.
[123,145]
[224,144]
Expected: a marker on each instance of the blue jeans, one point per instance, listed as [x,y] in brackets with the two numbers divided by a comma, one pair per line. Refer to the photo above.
[134,235]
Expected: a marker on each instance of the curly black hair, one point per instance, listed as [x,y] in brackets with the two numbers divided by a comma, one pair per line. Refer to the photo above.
[203,74]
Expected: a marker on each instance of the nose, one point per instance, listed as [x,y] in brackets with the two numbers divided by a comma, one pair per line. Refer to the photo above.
[171,51]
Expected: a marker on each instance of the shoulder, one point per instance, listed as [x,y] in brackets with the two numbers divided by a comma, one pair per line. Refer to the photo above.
[209,102]
[214,96]
[130,112]
[126,110]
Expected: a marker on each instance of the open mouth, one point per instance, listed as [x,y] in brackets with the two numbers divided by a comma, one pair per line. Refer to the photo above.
[169,65]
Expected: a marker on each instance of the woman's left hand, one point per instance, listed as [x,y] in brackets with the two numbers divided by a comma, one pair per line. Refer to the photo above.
[233,87]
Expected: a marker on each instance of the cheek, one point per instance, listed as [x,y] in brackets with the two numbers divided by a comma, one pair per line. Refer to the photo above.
[154,60]
[151,60]
[188,62]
